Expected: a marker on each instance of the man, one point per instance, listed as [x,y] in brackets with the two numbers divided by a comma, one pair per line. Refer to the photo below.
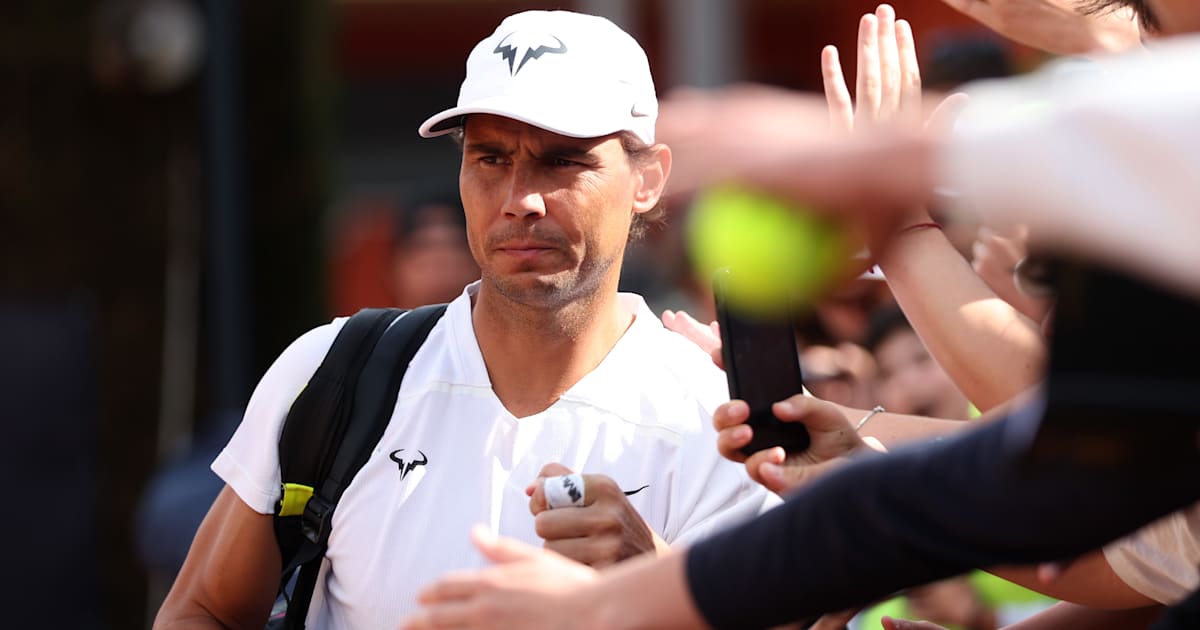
[538,369]
[1105,169]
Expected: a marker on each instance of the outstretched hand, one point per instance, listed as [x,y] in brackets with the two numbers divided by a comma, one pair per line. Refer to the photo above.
[890,623]
[707,337]
[831,435]
[526,588]
[888,93]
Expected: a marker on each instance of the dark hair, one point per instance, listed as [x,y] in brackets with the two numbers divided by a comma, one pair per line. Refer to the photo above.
[1141,9]
[957,59]
[883,324]
[655,218]
[441,207]
[638,154]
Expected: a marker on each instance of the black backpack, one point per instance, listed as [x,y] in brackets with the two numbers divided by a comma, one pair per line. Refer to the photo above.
[329,434]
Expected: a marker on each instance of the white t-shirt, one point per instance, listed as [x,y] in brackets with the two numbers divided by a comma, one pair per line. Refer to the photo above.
[1162,559]
[642,417]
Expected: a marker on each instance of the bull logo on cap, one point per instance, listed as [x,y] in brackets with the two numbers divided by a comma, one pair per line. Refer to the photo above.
[509,46]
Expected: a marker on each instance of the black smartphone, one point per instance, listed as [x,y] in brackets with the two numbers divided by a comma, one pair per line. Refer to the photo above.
[762,364]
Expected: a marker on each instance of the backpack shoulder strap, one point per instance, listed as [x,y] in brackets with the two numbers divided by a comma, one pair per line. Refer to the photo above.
[358,405]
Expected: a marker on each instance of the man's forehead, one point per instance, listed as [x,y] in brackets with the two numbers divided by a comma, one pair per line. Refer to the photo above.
[491,128]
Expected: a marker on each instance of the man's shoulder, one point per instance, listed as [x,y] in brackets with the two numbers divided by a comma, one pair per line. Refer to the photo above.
[672,367]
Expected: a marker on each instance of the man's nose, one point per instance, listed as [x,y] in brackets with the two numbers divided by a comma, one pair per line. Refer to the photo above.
[524,198]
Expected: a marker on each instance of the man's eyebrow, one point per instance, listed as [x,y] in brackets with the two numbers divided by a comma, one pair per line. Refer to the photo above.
[571,152]
[486,147]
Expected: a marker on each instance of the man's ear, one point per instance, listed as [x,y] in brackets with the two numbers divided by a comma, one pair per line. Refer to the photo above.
[654,169]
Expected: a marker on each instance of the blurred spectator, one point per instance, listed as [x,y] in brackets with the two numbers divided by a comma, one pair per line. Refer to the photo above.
[431,261]
[908,380]
[407,256]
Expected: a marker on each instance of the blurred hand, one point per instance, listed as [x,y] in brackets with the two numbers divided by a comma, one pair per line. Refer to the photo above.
[834,621]
[903,624]
[888,78]
[888,90]
[604,531]
[526,588]
[707,337]
[1055,26]
[995,255]
[953,602]
[831,434]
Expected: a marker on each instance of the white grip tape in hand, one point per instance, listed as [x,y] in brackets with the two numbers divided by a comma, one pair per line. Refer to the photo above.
[564,491]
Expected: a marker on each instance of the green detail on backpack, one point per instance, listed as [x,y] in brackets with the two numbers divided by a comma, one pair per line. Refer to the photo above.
[295,497]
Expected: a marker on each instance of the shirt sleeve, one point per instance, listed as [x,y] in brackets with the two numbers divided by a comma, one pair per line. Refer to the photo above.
[1161,560]
[249,463]
[1098,158]
[915,515]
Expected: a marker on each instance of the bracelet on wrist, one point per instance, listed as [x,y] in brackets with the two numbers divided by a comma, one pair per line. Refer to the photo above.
[874,410]
[920,226]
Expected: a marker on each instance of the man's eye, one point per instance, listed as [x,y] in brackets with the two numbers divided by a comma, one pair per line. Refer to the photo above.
[491,160]
[565,162]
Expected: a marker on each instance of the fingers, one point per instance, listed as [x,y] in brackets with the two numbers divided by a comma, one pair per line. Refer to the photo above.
[732,432]
[834,621]
[814,413]
[536,490]
[717,358]
[837,95]
[941,121]
[910,75]
[453,586]
[500,550]
[442,617]
[764,460]
[730,414]
[572,523]
[789,476]
[594,551]
[874,444]
[702,335]
[868,82]
[889,63]
[890,623]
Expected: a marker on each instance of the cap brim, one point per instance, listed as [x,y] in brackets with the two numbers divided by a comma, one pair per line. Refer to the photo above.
[566,121]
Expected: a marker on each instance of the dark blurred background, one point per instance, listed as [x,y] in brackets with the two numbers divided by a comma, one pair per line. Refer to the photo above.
[187,185]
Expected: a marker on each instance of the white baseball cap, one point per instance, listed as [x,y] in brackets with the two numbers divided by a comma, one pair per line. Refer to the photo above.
[574,74]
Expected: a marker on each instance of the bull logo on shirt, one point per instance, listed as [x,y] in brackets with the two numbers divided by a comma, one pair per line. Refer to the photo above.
[407,466]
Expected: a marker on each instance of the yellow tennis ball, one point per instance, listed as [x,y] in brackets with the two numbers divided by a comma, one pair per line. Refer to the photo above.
[780,254]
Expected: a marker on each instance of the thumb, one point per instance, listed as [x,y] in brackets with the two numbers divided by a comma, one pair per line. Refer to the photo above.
[500,550]
[941,121]
[904,624]
[553,469]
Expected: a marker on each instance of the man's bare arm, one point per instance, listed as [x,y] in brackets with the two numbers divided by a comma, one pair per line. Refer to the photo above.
[231,574]
[990,350]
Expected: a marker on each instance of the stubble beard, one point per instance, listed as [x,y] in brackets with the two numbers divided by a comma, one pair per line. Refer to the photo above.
[567,298]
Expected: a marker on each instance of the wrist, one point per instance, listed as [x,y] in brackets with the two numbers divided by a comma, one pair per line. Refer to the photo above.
[982,618]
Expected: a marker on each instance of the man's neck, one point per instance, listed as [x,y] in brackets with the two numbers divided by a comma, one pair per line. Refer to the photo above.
[534,355]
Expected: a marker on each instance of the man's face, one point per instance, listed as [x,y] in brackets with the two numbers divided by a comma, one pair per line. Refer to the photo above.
[548,215]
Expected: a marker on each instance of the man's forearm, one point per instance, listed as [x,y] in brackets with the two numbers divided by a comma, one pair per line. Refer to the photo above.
[1076,617]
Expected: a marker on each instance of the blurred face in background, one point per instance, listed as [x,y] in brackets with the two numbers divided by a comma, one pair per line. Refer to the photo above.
[432,262]
[1176,17]
[908,380]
